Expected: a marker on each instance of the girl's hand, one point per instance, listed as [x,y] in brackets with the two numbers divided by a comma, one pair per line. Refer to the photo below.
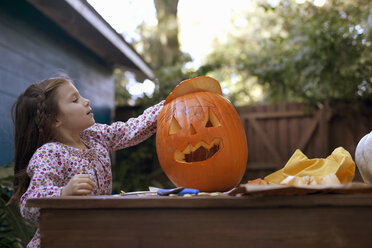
[80,184]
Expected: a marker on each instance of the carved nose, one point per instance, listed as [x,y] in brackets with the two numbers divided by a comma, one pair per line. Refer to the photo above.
[192,130]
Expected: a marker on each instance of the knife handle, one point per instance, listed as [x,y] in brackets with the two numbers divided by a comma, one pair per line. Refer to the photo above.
[179,191]
[189,191]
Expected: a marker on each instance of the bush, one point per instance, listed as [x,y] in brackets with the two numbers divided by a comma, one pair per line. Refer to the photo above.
[14,230]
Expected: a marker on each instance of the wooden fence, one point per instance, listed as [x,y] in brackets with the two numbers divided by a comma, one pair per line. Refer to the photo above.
[275,131]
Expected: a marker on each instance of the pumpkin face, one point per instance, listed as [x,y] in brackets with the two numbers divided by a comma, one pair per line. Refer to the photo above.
[201,142]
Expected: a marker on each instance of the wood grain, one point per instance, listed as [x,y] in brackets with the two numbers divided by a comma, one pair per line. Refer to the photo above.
[292,221]
[275,131]
[96,202]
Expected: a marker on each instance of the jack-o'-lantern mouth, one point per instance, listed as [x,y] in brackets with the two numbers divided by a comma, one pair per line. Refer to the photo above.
[200,152]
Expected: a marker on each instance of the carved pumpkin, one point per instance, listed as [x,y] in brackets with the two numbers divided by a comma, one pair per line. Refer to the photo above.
[200,139]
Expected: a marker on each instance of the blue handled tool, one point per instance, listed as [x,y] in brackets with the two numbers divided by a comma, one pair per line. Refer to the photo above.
[178,191]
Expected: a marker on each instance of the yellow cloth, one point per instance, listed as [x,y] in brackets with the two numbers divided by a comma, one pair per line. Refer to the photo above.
[339,162]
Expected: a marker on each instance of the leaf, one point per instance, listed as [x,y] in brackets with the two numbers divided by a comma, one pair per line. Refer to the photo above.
[14,230]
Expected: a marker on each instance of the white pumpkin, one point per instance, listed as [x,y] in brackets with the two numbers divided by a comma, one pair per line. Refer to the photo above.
[363,157]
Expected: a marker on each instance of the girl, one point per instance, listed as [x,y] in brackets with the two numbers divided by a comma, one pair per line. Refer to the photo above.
[60,151]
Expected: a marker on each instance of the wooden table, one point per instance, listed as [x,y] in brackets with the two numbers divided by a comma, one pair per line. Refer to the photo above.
[224,221]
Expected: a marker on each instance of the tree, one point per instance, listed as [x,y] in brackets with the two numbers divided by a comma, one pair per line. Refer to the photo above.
[301,52]
[137,167]
[167,35]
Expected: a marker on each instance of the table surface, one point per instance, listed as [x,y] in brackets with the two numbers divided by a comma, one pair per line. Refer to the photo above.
[327,220]
[87,202]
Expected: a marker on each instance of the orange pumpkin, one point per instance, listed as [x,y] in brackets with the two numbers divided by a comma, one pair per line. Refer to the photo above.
[200,139]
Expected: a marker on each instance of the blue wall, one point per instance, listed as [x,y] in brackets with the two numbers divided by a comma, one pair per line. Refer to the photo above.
[33,48]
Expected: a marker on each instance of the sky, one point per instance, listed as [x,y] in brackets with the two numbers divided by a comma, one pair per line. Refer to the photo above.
[200,21]
[196,18]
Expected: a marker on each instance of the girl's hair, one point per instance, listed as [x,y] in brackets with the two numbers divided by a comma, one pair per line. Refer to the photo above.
[33,113]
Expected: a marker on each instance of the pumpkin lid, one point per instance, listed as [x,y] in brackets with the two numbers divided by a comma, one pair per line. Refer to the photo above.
[196,84]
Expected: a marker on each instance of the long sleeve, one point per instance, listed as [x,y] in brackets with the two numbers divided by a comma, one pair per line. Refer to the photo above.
[120,135]
[46,180]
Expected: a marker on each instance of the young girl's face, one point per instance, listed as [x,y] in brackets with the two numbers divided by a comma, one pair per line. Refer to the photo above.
[74,111]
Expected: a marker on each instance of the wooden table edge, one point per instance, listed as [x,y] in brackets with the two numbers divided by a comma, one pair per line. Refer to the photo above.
[89,202]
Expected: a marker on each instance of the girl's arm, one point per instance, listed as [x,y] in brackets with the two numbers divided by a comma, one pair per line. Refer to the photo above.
[44,169]
[120,135]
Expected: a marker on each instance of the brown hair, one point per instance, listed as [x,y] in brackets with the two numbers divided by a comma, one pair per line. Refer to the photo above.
[34,112]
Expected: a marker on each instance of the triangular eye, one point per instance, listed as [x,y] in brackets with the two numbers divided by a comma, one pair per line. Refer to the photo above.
[211,119]
[174,126]
[209,124]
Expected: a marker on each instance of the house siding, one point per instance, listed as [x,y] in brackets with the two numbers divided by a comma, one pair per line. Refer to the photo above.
[33,48]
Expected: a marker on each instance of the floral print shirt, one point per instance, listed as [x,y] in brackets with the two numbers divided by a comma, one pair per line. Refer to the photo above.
[54,164]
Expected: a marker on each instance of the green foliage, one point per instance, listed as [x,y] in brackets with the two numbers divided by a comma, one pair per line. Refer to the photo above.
[300,52]
[14,230]
[288,52]
[122,96]
[138,167]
